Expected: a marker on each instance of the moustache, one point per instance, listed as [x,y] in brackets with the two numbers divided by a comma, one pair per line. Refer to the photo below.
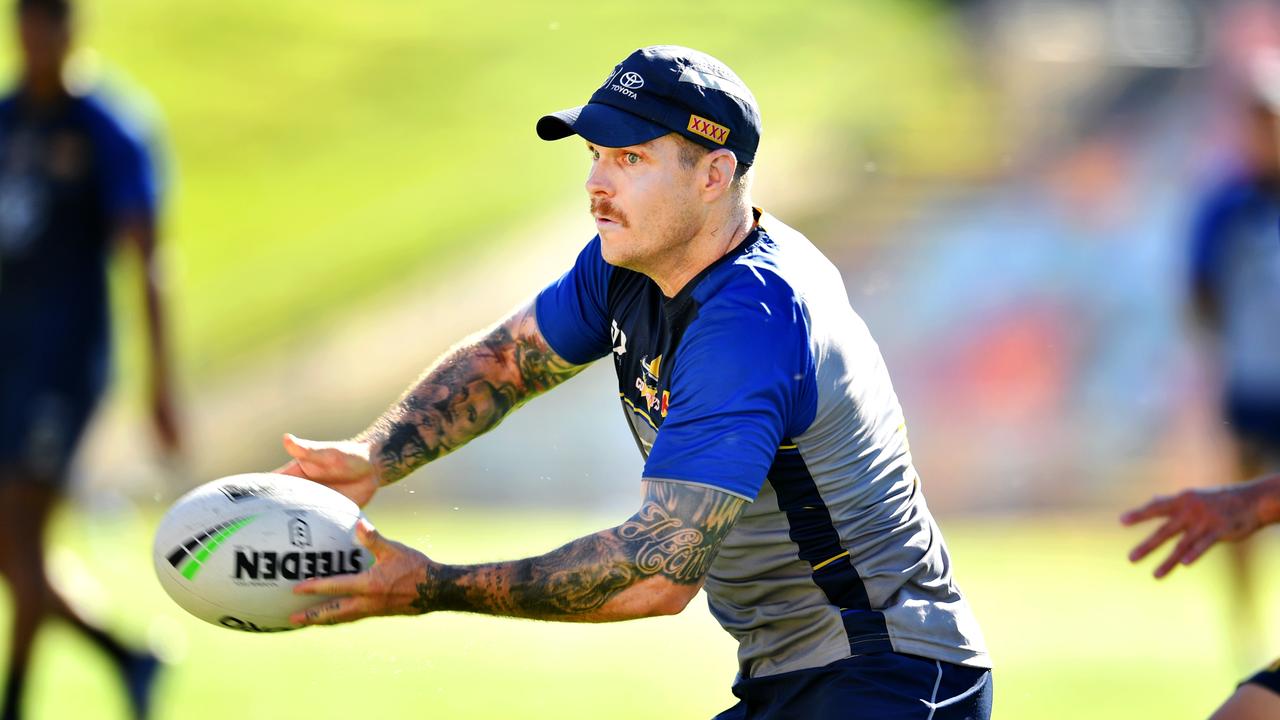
[601,207]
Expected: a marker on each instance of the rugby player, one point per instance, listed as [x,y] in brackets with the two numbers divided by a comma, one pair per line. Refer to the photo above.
[72,182]
[777,472]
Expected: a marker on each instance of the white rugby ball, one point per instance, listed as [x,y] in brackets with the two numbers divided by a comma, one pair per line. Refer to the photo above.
[230,551]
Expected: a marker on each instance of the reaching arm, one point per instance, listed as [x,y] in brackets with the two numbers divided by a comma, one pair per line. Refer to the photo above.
[1205,517]
[464,394]
[652,564]
[139,231]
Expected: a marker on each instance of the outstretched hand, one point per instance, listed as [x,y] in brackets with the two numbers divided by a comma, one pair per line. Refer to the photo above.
[342,466]
[390,587]
[1201,517]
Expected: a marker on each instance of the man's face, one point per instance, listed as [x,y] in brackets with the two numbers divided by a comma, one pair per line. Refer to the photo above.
[45,40]
[645,202]
[478,403]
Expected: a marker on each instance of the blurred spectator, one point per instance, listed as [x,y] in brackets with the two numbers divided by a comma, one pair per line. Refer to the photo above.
[1236,296]
[72,181]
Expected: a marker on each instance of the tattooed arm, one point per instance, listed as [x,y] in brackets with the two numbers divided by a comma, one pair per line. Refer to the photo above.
[463,395]
[652,564]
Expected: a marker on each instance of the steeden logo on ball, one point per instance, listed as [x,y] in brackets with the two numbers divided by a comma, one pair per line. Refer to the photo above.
[231,551]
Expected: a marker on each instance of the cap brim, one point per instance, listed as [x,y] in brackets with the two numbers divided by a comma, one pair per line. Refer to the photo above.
[599,124]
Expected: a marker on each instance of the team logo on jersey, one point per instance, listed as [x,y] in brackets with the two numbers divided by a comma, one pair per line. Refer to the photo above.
[651,368]
[647,384]
[709,130]
[68,156]
[618,338]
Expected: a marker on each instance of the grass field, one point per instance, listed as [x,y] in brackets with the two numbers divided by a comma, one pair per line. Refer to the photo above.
[1075,631]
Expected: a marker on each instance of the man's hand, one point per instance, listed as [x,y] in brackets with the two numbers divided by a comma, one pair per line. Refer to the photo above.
[1201,517]
[390,587]
[343,466]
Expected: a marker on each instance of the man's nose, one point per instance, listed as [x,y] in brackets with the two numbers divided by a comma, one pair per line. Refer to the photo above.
[599,181]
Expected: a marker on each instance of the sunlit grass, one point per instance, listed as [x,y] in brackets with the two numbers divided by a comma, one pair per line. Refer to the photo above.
[1075,631]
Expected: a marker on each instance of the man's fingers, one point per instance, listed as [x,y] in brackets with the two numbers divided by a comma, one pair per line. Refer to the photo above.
[297,448]
[1157,507]
[293,467]
[1200,547]
[369,537]
[333,611]
[1179,550]
[335,585]
[1155,540]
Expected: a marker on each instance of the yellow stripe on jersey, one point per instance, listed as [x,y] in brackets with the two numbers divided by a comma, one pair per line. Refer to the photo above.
[637,411]
[828,561]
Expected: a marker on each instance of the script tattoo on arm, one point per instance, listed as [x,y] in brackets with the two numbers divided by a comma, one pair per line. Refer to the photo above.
[670,541]
[465,394]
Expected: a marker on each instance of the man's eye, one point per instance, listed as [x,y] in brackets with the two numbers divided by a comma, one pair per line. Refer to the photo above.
[595,154]
[632,158]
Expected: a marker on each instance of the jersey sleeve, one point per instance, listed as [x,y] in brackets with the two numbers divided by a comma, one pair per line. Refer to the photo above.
[573,312]
[736,392]
[1207,239]
[128,178]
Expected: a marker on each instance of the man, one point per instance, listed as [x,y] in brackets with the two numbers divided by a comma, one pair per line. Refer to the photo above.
[1236,292]
[71,182]
[1199,519]
[777,472]
[1236,297]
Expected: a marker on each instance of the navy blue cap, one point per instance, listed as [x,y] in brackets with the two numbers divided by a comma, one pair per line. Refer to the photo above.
[662,89]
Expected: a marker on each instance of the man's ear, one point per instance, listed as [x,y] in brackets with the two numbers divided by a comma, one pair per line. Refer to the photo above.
[720,166]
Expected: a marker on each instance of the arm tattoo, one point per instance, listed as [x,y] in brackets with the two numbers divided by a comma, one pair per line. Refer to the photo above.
[674,536]
[466,394]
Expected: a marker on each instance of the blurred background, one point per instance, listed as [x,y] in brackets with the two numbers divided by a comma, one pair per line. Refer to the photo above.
[1008,186]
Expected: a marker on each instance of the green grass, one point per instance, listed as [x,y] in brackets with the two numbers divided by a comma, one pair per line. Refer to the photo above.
[1075,631]
[323,151]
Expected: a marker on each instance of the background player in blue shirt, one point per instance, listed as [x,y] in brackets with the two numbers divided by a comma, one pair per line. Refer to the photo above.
[72,182]
[1236,293]
[777,473]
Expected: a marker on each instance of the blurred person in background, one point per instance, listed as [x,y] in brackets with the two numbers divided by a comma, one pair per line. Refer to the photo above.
[1199,519]
[1236,300]
[777,470]
[73,183]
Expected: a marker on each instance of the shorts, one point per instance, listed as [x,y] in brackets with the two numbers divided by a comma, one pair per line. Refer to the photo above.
[877,686]
[1255,421]
[1268,678]
[44,413]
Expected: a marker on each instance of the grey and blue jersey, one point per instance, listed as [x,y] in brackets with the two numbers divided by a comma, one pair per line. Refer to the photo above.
[759,380]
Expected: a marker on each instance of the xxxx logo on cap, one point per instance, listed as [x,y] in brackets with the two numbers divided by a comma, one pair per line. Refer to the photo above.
[707,129]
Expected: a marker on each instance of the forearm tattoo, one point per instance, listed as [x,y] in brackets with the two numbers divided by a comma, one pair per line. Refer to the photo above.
[465,394]
[675,535]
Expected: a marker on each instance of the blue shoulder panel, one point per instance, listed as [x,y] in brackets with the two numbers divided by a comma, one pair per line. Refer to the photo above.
[123,161]
[742,383]
[572,312]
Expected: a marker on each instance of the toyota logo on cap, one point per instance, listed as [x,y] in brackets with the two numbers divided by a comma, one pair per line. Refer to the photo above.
[631,81]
